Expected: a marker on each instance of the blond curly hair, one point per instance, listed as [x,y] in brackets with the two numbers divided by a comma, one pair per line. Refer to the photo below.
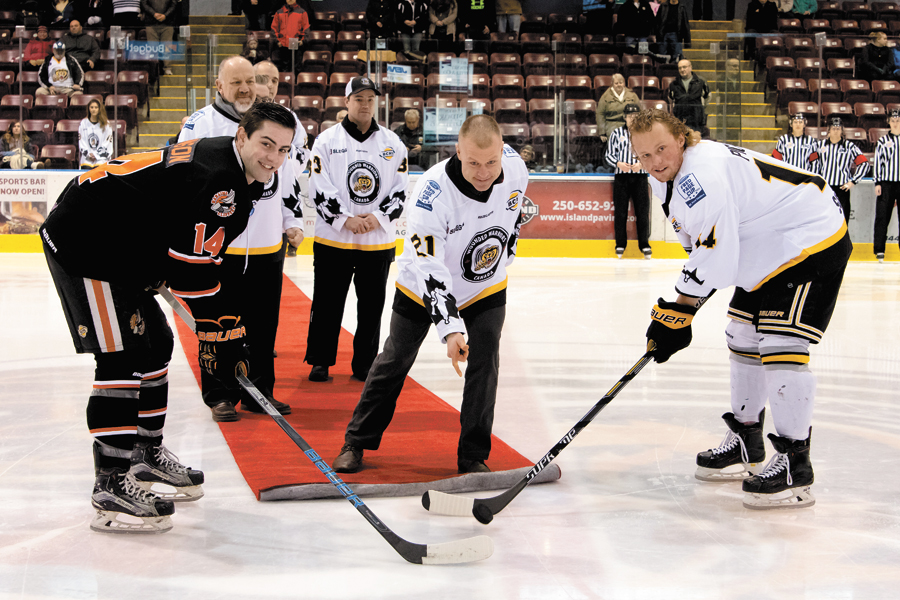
[643,122]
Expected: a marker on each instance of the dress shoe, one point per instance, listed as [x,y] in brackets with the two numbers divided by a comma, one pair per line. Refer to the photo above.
[349,460]
[318,373]
[224,412]
[471,466]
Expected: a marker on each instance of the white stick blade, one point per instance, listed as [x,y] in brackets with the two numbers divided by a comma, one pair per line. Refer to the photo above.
[453,506]
[461,551]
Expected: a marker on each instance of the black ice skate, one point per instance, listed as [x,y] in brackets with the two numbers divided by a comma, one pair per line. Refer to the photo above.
[158,471]
[786,480]
[740,454]
[123,507]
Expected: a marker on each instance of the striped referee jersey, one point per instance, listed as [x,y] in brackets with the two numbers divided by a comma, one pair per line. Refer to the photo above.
[796,151]
[618,149]
[887,158]
[837,160]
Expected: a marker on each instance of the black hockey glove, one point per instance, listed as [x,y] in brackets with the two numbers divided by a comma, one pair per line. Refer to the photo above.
[670,328]
[223,348]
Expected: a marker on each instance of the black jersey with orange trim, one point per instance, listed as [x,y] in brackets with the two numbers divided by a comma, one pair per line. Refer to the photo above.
[165,215]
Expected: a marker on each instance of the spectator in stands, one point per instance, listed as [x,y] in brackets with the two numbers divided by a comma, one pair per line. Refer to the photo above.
[262,89]
[268,70]
[379,18]
[60,12]
[687,97]
[30,15]
[636,22]
[509,16]
[762,17]
[672,28]
[61,74]
[127,13]
[37,50]
[16,149]
[611,106]
[95,13]
[785,7]
[252,51]
[160,26]
[256,12]
[95,137]
[477,19]
[805,8]
[411,20]
[442,14]
[527,154]
[410,133]
[290,21]
[81,46]
[877,60]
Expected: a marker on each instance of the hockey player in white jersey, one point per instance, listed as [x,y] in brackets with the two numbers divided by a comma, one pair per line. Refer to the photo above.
[255,260]
[461,237]
[358,178]
[778,235]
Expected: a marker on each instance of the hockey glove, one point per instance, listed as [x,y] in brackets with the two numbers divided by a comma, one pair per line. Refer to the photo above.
[670,328]
[223,348]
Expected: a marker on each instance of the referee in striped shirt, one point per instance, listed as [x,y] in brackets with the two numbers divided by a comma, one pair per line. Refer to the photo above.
[630,183]
[887,182]
[836,158]
[795,148]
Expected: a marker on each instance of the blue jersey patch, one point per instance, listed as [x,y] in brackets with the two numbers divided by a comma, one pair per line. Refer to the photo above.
[691,190]
[426,197]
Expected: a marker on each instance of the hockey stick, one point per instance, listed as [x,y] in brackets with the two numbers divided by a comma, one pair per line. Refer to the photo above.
[484,509]
[460,551]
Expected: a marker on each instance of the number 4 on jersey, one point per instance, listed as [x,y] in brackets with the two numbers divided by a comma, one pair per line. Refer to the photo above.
[709,242]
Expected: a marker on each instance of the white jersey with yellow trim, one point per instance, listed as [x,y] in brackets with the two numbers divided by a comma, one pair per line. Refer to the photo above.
[457,249]
[746,216]
[279,208]
[355,174]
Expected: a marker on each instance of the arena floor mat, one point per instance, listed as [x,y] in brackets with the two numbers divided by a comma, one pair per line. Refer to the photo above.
[418,451]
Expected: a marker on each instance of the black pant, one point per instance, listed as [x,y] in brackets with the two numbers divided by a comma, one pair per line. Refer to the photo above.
[376,406]
[844,198]
[257,293]
[333,269]
[631,186]
[884,204]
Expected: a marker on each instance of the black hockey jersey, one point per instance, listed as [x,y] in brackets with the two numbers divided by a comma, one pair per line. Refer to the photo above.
[165,215]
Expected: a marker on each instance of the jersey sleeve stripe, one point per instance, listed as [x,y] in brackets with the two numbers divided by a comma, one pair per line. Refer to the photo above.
[198,293]
[194,260]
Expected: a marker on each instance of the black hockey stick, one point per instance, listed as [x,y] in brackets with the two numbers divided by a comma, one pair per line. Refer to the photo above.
[460,551]
[484,509]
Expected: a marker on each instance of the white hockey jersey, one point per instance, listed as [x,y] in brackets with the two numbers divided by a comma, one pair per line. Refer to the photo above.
[356,174]
[279,208]
[95,143]
[744,217]
[457,249]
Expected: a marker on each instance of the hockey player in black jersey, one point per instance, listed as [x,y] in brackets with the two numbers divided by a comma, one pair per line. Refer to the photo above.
[115,234]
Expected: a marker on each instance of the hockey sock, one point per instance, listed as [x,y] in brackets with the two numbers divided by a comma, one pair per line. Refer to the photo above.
[152,404]
[112,408]
[748,379]
[790,384]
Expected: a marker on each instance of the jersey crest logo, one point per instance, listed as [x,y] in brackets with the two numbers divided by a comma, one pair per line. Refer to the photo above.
[482,256]
[513,202]
[387,153]
[691,190]
[363,182]
[223,203]
[136,323]
[428,194]
[82,331]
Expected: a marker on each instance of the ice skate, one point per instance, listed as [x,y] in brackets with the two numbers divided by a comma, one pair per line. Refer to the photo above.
[157,470]
[123,507]
[785,481]
[740,455]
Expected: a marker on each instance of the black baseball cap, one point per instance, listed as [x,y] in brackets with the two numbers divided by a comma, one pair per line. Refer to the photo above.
[895,114]
[836,122]
[798,117]
[358,84]
[632,108]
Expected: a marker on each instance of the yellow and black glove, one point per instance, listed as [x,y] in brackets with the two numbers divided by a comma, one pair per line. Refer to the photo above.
[223,348]
[670,328]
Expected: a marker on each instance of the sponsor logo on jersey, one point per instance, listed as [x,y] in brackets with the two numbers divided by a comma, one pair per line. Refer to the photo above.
[387,153]
[60,75]
[363,182]
[771,313]
[455,229]
[485,216]
[513,202]
[482,255]
[136,323]
[82,330]
[691,190]
[338,150]
[426,197]
[508,151]
[529,209]
[93,140]
[223,203]
[271,187]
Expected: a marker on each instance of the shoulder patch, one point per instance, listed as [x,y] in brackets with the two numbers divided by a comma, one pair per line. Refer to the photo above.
[691,190]
[182,152]
[508,151]
[426,197]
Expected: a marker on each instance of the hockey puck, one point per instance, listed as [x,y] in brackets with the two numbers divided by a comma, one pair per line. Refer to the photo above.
[483,514]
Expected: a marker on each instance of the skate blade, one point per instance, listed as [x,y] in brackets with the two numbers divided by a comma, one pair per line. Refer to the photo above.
[108,521]
[730,473]
[799,497]
[170,493]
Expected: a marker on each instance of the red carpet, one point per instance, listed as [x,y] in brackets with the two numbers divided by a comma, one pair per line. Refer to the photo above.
[418,451]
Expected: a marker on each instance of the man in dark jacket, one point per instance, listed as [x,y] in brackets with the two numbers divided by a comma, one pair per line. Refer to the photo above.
[672,28]
[411,20]
[877,60]
[636,22]
[477,19]
[410,133]
[762,17]
[379,18]
[687,96]
[80,46]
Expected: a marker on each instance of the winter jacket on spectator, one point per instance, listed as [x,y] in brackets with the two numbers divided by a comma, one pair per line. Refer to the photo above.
[411,10]
[611,110]
[687,104]
[636,21]
[69,73]
[444,11]
[801,7]
[163,7]
[380,11]
[762,18]
[475,15]
[290,22]
[38,49]
[683,27]
[95,13]
[82,47]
